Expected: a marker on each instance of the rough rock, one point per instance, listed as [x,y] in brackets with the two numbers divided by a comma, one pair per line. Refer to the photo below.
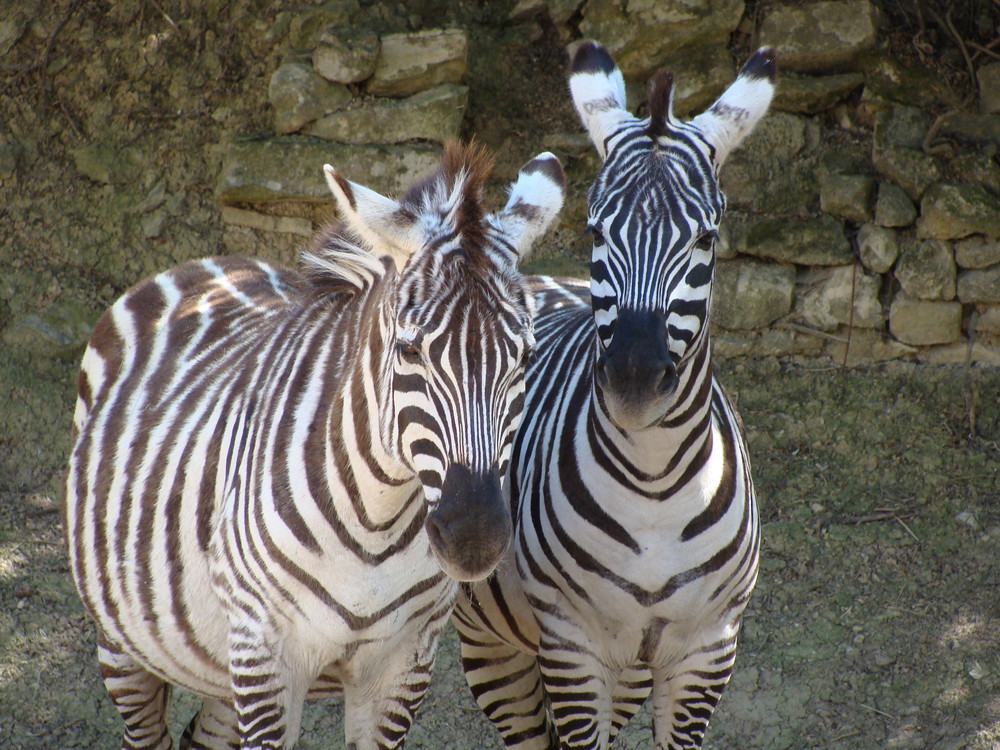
[732,237]
[912,170]
[643,33]
[956,211]
[988,320]
[299,95]
[847,196]
[826,303]
[267,222]
[11,30]
[890,81]
[900,125]
[433,115]
[864,346]
[409,63]
[771,171]
[926,269]
[346,56]
[306,29]
[977,252]
[988,77]
[60,330]
[893,207]
[923,322]
[291,168]
[771,342]
[978,167]
[971,127]
[106,163]
[808,94]
[11,155]
[814,241]
[700,75]
[751,294]
[821,36]
[979,285]
[878,247]
[960,354]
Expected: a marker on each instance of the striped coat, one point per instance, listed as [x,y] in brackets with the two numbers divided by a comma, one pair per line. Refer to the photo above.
[277,477]
[636,528]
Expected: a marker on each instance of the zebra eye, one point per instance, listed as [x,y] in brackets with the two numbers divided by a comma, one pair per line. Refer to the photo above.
[598,237]
[704,242]
[409,351]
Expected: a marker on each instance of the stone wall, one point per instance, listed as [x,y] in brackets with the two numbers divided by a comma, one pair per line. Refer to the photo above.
[879,237]
[864,222]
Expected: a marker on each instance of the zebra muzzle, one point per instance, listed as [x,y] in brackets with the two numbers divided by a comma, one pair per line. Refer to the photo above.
[636,373]
[470,528]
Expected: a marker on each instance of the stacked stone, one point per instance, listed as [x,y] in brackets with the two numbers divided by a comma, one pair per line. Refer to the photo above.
[376,106]
[863,221]
[902,259]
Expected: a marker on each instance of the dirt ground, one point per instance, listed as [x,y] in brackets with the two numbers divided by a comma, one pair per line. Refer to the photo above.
[876,621]
[875,624]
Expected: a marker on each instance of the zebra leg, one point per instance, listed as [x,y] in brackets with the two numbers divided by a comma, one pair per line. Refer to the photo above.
[633,688]
[140,697]
[507,685]
[685,696]
[268,689]
[379,712]
[579,695]
[212,728]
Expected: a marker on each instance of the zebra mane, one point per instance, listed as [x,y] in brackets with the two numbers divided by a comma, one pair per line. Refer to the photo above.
[661,115]
[465,169]
[336,259]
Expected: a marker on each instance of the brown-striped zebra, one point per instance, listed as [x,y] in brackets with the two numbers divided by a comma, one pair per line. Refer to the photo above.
[278,476]
[636,529]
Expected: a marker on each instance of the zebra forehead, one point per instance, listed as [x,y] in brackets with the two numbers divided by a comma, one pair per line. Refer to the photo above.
[657,189]
[493,300]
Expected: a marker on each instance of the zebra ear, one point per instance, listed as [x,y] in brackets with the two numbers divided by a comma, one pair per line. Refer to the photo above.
[598,90]
[535,199]
[733,116]
[381,222]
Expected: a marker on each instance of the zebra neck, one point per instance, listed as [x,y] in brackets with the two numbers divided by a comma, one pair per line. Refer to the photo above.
[685,427]
[358,419]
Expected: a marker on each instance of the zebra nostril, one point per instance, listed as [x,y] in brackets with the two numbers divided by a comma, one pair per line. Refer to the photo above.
[668,381]
[435,533]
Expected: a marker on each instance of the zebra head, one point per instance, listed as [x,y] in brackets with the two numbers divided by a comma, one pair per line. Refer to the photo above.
[654,210]
[458,329]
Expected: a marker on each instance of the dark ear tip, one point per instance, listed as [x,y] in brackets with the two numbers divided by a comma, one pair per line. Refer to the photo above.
[591,57]
[549,166]
[761,64]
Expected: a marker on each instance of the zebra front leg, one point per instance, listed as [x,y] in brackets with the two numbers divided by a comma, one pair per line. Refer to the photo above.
[634,686]
[268,692]
[507,685]
[382,699]
[214,727]
[576,683]
[140,697]
[686,694]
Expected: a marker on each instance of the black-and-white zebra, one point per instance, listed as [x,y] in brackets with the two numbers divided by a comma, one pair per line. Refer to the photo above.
[278,476]
[636,530]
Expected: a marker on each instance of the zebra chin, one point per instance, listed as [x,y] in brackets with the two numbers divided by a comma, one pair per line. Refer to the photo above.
[470,527]
[634,415]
